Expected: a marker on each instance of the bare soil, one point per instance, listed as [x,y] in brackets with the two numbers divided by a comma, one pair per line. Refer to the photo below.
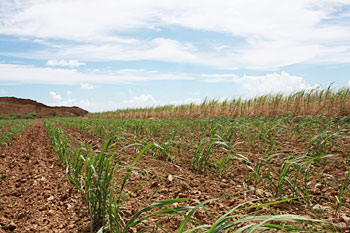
[174,179]
[9,105]
[34,195]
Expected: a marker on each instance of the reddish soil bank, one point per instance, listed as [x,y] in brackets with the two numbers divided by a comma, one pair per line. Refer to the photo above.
[34,196]
[10,105]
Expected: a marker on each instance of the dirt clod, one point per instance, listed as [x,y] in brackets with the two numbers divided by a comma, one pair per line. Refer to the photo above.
[31,200]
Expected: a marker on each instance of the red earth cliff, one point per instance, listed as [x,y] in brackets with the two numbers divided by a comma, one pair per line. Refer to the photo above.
[10,105]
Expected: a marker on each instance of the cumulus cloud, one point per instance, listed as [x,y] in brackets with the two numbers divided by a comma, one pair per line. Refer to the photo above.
[69,92]
[70,63]
[55,97]
[144,100]
[272,83]
[87,86]
[89,105]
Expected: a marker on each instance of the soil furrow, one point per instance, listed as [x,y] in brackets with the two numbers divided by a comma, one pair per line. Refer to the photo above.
[178,180]
[34,195]
[171,181]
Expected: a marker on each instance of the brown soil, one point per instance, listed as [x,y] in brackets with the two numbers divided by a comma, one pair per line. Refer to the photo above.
[10,105]
[177,180]
[34,196]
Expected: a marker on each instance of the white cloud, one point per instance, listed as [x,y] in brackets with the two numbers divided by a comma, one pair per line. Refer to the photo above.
[272,83]
[144,100]
[349,83]
[158,49]
[86,104]
[55,97]
[275,33]
[67,19]
[3,92]
[69,92]
[70,63]
[89,105]
[30,74]
[87,86]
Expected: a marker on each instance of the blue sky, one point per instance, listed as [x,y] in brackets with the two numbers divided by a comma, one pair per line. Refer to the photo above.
[112,54]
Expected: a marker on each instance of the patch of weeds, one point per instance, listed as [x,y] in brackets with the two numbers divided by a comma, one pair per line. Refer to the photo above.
[2,176]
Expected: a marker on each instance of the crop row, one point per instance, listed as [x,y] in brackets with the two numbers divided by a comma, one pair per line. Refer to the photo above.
[218,144]
[7,123]
[313,102]
[9,128]
[286,156]
[211,140]
[95,173]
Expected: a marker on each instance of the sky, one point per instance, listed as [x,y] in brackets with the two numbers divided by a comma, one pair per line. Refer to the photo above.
[104,55]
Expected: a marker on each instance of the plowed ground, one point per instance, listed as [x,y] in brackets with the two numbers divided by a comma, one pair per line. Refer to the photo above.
[178,180]
[34,196]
